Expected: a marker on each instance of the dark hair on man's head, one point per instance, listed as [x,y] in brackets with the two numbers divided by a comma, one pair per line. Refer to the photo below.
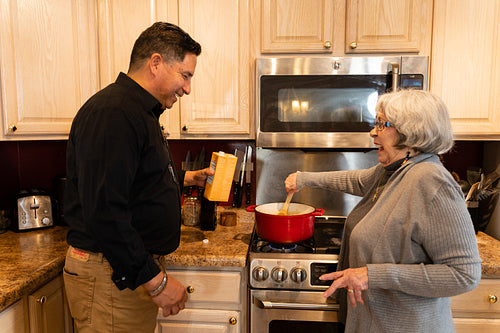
[166,39]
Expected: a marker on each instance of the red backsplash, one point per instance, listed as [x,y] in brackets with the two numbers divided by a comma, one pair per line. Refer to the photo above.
[35,164]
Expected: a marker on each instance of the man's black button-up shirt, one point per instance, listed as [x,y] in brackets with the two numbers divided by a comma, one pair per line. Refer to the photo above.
[122,195]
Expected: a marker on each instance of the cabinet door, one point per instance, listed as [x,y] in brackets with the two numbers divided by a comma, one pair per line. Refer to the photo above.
[218,105]
[12,318]
[201,321]
[48,65]
[465,70]
[48,311]
[376,26]
[118,30]
[297,26]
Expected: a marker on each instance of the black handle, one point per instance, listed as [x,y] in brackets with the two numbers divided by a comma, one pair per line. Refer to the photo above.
[239,195]
[236,186]
[248,192]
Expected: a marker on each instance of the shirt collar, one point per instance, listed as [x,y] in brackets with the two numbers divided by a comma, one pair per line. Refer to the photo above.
[149,102]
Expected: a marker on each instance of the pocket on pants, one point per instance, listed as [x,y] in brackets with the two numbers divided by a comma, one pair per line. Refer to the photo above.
[80,293]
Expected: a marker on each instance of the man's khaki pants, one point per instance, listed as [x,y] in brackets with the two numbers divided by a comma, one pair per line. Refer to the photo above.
[96,304]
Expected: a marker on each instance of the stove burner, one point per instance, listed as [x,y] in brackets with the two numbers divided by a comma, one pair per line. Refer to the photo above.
[282,247]
[264,246]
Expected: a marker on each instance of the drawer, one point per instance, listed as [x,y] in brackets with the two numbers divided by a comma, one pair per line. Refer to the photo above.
[478,302]
[210,286]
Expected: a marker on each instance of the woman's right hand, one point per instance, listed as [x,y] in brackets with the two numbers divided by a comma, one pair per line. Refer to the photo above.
[291,183]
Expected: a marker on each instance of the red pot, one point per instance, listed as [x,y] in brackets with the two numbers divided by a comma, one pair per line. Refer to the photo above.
[297,226]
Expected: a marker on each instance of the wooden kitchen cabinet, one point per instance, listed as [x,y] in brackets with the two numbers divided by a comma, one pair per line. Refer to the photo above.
[217,302]
[298,26]
[340,27]
[388,26]
[477,310]
[48,65]
[218,106]
[465,71]
[48,310]
[12,318]
[44,311]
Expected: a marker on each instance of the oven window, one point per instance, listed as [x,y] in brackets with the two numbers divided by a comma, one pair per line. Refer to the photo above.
[287,326]
[320,103]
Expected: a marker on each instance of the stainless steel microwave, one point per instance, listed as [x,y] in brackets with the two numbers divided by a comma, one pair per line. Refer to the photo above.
[327,102]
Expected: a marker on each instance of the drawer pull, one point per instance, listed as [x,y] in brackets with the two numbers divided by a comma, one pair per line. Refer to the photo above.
[42,299]
[493,299]
[190,289]
[233,320]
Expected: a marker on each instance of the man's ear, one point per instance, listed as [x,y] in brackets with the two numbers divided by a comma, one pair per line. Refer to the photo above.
[154,62]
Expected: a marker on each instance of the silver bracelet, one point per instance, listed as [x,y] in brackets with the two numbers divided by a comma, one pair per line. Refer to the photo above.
[160,288]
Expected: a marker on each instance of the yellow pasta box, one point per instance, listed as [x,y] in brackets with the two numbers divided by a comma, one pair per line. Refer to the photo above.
[218,186]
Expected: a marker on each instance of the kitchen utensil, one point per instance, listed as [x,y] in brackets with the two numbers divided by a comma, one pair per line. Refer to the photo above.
[473,175]
[284,210]
[284,229]
[248,181]
[239,191]
[236,179]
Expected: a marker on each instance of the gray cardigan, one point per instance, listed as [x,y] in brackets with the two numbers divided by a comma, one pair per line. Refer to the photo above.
[417,240]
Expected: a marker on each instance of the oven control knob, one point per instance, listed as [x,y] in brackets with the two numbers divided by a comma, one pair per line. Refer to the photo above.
[298,274]
[260,273]
[279,274]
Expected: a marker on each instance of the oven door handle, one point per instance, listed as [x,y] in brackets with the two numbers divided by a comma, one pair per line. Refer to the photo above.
[295,306]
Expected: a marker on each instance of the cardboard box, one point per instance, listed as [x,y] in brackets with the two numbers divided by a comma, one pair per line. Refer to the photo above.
[218,186]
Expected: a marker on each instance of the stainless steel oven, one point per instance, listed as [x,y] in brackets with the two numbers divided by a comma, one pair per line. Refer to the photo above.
[327,102]
[285,293]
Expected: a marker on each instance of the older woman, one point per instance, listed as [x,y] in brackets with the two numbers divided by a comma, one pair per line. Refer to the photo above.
[409,244]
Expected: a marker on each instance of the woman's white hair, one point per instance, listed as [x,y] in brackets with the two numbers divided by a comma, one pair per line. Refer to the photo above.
[421,119]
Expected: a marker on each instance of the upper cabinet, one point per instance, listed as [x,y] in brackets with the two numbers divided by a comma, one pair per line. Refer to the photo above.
[339,27]
[465,66]
[218,105]
[381,26]
[55,54]
[304,26]
[48,65]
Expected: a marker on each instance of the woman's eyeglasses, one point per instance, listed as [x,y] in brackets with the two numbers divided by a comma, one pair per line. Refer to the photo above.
[381,125]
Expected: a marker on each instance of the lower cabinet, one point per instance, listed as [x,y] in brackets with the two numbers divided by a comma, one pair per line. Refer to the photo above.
[44,311]
[217,302]
[479,309]
[48,310]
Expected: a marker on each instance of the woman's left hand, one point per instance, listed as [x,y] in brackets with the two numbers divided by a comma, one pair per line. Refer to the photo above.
[197,177]
[355,280]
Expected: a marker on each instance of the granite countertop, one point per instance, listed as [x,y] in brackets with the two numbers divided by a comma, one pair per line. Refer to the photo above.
[31,259]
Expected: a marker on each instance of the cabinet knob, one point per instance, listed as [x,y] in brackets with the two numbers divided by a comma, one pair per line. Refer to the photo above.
[42,299]
[353,45]
[184,128]
[190,289]
[12,128]
[233,320]
[327,44]
[493,299]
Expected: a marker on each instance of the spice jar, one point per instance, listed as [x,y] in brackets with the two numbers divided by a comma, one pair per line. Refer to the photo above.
[191,211]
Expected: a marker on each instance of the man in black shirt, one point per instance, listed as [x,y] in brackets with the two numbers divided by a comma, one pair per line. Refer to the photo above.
[122,197]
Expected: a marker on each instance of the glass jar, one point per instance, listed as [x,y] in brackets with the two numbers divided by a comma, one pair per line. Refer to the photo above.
[191,211]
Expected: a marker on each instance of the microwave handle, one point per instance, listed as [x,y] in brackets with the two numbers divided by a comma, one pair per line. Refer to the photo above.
[395,76]
[295,306]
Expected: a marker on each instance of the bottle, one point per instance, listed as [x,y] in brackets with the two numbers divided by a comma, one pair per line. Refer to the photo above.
[191,211]
[208,214]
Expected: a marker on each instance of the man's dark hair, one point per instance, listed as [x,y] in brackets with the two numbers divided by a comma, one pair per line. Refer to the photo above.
[166,39]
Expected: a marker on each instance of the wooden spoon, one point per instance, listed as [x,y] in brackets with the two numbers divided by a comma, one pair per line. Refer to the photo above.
[284,209]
